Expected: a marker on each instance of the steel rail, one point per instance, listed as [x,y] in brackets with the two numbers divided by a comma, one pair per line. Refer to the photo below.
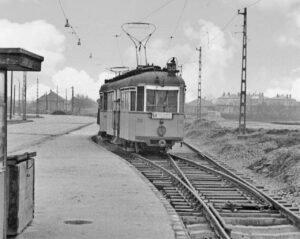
[224,175]
[219,230]
[180,173]
[295,219]
[189,183]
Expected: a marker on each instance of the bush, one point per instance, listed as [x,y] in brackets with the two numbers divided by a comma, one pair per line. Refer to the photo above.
[58,112]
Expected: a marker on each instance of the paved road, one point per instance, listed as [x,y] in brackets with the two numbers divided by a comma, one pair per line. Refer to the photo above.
[23,135]
[79,180]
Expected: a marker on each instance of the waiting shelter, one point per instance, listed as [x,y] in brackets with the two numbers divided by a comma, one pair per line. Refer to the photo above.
[11,59]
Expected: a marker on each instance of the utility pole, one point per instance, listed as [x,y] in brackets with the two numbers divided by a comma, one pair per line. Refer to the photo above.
[243,95]
[14,104]
[37,97]
[19,104]
[72,99]
[199,84]
[46,103]
[11,94]
[24,94]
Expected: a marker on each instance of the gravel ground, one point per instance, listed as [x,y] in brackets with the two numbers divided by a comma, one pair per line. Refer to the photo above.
[270,156]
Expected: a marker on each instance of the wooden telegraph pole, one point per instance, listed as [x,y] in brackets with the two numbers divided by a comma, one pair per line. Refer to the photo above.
[11,94]
[24,94]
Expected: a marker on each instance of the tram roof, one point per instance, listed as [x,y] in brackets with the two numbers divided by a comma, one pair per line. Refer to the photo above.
[154,76]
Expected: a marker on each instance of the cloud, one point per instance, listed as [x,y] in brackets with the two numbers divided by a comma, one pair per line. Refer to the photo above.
[277,5]
[272,92]
[82,82]
[32,91]
[39,37]
[22,1]
[216,54]
[294,90]
[215,59]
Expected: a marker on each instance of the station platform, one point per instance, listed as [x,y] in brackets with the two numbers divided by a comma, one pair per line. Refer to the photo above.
[84,191]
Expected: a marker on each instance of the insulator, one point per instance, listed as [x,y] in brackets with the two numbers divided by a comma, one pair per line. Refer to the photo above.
[78,43]
[67,23]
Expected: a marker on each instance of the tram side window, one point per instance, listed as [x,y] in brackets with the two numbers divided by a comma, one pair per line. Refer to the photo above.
[132,100]
[101,102]
[140,98]
[162,100]
[105,102]
[110,101]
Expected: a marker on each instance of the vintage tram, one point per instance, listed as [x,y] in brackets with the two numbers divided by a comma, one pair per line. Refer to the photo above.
[143,108]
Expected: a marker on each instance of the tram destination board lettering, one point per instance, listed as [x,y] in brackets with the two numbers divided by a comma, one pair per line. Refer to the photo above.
[162,115]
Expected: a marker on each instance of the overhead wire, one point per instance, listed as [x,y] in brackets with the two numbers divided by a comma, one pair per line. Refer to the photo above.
[62,9]
[223,28]
[253,4]
[179,19]
[68,24]
[157,9]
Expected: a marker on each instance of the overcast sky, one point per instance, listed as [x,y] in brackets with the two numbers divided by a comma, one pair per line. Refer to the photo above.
[273,42]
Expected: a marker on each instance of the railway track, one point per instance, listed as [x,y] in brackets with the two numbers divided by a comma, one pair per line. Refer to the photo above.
[214,202]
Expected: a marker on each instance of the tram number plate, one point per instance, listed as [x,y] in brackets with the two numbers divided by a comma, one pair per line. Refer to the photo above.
[161,115]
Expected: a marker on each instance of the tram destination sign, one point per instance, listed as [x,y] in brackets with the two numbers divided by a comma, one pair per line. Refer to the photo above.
[162,115]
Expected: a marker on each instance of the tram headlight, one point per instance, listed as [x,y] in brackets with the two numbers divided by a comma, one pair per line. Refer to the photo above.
[161,130]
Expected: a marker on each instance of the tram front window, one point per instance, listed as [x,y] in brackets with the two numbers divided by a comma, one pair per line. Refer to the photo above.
[162,100]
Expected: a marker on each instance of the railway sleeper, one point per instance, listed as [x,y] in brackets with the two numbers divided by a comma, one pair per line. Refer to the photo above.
[286,235]
[236,201]
[264,229]
[210,184]
[203,234]
[224,197]
[254,214]
[190,214]
[213,189]
[254,221]
[188,220]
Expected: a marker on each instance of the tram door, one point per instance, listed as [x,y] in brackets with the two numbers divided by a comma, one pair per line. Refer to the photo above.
[116,117]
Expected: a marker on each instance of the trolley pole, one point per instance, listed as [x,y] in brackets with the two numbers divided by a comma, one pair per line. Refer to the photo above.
[37,97]
[199,84]
[24,94]
[11,94]
[243,95]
